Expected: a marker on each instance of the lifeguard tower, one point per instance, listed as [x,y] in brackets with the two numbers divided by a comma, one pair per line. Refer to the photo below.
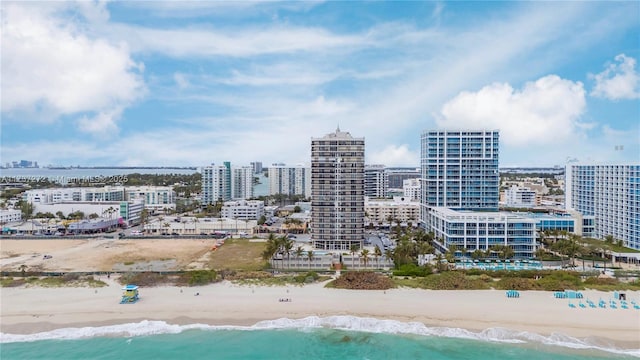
[130,294]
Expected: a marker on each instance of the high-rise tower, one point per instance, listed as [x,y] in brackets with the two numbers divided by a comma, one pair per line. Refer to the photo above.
[460,170]
[337,191]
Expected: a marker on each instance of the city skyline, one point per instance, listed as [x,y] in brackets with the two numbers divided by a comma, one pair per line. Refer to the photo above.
[173,83]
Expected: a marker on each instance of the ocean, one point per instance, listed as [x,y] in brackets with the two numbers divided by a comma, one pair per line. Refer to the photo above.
[337,337]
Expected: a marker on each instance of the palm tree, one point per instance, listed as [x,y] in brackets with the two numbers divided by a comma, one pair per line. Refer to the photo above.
[477,254]
[388,254]
[609,239]
[310,257]
[298,253]
[365,257]
[377,253]
[353,250]
[287,245]
[271,249]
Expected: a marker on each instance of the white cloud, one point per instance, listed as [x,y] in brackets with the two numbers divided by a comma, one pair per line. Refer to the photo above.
[50,66]
[393,155]
[181,80]
[102,124]
[543,112]
[619,81]
[245,42]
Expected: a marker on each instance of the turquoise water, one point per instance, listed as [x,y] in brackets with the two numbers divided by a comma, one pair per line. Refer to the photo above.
[309,338]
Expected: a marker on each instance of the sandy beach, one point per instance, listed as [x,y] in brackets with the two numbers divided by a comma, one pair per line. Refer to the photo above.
[26,310]
[30,310]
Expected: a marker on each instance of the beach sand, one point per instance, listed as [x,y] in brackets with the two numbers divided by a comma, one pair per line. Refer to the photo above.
[25,310]
[30,310]
[102,254]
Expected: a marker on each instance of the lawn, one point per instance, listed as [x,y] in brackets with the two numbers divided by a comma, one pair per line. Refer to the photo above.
[611,247]
[238,254]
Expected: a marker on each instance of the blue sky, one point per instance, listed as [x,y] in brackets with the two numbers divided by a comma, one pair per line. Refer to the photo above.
[194,83]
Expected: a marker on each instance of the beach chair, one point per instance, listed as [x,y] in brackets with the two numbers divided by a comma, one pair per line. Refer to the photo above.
[636,306]
[582,305]
[572,305]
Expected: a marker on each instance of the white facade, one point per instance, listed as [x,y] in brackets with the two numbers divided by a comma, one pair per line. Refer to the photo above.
[156,198]
[106,209]
[198,226]
[477,230]
[411,189]
[610,193]
[215,180]
[243,209]
[84,194]
[521,197]
[376,181]
[224,183]
[7,216]
[241,182]
[290,180]
[397,210]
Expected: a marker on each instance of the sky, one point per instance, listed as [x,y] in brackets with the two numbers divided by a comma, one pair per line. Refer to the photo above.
[179,83]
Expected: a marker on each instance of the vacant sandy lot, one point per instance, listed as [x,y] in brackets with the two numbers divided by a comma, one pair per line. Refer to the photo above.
[105,254]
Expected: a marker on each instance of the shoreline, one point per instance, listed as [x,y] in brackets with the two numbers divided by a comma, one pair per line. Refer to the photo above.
[225,304]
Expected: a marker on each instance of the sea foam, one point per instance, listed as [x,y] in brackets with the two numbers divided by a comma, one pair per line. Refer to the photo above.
[349,323]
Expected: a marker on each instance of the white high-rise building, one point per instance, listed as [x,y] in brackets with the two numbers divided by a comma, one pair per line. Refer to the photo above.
[337,191]
[215,184]
[290,180]
[241,182]
[376,181]
[224,183]
[460,170]
[610,193]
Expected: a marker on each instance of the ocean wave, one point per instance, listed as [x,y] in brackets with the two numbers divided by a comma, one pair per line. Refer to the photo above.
[349,323]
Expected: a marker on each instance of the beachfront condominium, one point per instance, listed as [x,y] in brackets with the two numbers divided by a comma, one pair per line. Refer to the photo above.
[337,191]
[611,194]
[460,170]
[224,183]
[289,180]
[469,231]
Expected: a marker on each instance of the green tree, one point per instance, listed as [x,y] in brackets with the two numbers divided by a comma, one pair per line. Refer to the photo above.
[298,253]
[287,245]
[365,256]
[377,253]
[271,248]
[353,250]
[477,254]
[26,208]
[310,257]
[609,239]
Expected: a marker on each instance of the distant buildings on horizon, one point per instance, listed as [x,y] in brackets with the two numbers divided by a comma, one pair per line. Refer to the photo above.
[21,164]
